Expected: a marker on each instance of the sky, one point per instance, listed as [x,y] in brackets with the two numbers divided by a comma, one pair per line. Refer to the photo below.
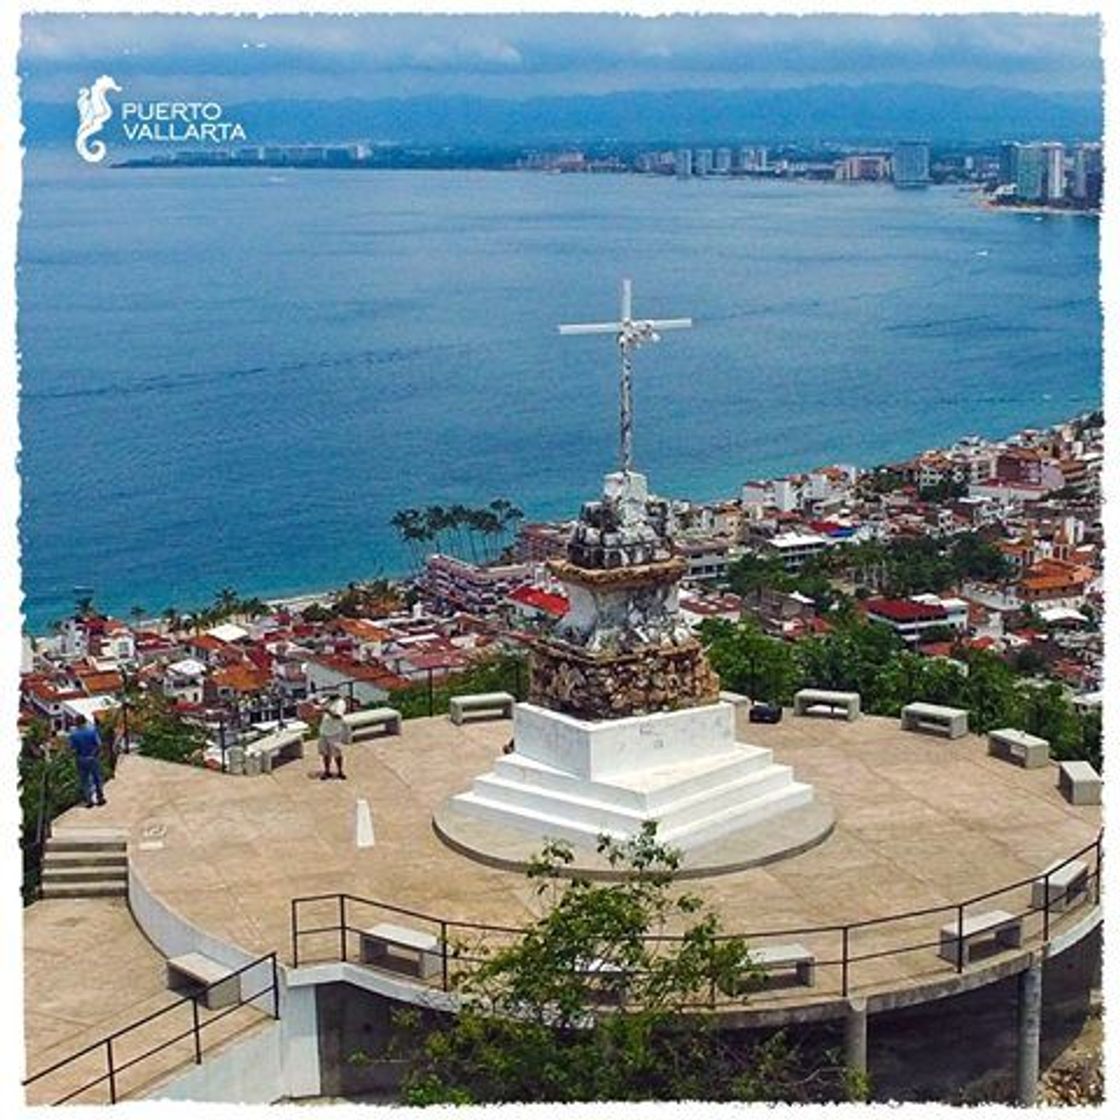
[237,58]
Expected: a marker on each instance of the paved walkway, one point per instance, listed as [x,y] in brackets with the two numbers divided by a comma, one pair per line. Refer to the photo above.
[88,971]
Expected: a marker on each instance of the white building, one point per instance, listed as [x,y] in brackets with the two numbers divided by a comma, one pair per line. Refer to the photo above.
[793,549]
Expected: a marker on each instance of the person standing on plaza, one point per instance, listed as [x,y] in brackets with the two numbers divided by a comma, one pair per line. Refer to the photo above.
[334,733]
[85,742]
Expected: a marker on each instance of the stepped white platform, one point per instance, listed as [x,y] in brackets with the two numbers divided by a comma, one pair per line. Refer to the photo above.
[724,804]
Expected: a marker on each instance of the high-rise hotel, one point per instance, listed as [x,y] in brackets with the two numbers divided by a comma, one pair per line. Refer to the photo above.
[910,164]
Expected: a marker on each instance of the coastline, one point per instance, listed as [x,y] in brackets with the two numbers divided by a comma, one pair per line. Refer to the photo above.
[299,600]
[986,203]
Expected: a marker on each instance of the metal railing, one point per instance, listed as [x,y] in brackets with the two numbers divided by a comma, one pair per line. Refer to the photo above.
[844,957]
[109,1045]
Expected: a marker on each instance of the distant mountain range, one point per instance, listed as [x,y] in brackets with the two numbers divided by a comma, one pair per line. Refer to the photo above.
[877,113]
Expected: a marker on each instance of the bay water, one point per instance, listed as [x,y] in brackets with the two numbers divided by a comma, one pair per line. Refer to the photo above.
[234,377]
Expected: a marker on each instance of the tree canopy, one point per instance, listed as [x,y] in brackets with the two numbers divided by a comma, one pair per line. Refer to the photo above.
[593,1002]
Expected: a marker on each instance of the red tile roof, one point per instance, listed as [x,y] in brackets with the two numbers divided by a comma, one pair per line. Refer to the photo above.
[547,601]
[905,610]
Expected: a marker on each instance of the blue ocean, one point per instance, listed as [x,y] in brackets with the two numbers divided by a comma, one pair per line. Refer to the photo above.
[234,377]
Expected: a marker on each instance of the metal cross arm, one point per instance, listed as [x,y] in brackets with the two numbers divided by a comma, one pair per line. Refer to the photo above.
[630,333]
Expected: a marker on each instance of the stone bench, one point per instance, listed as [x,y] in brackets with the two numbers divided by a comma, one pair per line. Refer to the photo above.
[1063,882]
[934,717]
[1017,746]
[808,698]
[364,723]
[795,956]
[998,926]
[262,754]
[1079,783]
[401,949]
[736,699]
[606,979]
[198,975]
[501,702]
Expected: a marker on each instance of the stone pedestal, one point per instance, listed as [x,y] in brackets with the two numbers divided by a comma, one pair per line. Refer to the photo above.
[624,723]
[575,780]
[567,679]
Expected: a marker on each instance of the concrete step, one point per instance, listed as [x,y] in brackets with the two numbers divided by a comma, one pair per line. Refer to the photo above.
[598,811]
[82,858]
[88,839]
[790,796]
[84,890]
[64,875]
[658,790]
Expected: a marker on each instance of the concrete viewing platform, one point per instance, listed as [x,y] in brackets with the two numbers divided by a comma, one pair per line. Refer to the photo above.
[920,822]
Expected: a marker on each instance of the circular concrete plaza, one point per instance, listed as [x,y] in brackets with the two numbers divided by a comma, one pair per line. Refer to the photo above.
[920,822]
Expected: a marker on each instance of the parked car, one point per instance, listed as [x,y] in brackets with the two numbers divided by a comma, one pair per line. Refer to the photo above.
[765,713]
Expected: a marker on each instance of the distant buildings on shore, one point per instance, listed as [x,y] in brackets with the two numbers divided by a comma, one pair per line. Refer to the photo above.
[1039,173]
[1045,172]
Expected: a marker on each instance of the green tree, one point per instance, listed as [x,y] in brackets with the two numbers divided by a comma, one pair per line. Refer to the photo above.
[973,557]
[750,574]
[748,661]
[595,1002]
[501,671]
[161,732]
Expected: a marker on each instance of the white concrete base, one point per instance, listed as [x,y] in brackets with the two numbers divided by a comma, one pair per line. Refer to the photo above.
[575,780]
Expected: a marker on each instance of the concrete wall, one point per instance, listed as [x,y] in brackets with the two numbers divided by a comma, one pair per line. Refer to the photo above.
[281,1060]
[250,1072]
[173,936]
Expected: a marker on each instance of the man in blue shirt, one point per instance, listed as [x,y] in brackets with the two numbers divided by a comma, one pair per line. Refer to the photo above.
[85,742]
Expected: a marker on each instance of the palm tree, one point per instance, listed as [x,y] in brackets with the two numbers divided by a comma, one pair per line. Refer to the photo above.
[414,529]
[508,514]
[226,601]
[436,522]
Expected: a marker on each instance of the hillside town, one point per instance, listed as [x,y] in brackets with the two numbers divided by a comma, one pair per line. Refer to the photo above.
[787,553]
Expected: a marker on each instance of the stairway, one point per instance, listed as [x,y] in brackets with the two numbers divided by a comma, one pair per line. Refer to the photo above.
[85,863]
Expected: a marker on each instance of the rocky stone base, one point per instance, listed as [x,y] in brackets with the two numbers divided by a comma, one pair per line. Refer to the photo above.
[612,686]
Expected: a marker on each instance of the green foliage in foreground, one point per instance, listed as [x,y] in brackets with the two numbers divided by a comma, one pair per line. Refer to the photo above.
[540,1025]
[499,672]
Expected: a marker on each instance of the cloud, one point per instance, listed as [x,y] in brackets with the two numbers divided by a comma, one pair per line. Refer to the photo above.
[522,55]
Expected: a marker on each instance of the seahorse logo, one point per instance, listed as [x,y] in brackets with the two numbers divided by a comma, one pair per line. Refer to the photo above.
[94,111]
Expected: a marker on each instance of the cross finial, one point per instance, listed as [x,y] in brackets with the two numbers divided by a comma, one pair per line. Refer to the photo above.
[630,334]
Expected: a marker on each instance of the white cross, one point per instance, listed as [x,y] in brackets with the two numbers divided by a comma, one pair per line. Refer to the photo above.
[631,333]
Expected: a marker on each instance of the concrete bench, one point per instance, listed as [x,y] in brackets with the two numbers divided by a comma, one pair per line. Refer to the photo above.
[821,698]
[1017,746]
[997,926]
[262,754]
[501,702]
[606,979]
[401,949]
[736,699]
[364,723]
[795,956]
[933,717]
[1079,783]
[196,974]
[1063,882]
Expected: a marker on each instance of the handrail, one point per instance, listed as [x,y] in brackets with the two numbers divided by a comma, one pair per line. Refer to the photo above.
[106,1042]
[846,959]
